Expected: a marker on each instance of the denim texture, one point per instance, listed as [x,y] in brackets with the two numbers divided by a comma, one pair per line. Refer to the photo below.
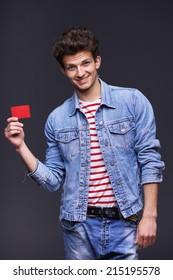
[126,130]
[100,239]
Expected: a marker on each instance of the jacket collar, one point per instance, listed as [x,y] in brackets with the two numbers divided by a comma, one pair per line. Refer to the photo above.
[106,96]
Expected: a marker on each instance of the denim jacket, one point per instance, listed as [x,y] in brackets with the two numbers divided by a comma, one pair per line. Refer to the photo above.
[126,130]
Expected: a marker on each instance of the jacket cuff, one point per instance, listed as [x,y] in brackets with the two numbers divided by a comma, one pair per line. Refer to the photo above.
[152,177]
[36,175]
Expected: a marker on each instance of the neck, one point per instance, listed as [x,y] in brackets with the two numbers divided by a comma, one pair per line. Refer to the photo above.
[90,94]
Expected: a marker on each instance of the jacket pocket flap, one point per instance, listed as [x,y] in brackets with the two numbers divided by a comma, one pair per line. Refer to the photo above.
[66,136]
[121,127]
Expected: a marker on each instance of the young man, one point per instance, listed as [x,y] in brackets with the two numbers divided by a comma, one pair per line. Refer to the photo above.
[103,153]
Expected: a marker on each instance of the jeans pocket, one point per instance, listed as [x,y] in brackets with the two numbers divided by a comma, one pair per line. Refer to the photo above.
[69,225]
[131,223]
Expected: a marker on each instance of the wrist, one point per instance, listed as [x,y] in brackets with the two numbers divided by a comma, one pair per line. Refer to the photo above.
[150,215]
[21,148]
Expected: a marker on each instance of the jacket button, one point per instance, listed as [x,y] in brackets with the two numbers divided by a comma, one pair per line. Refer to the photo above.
[118,183]
[100,123]
[106,142]
[111,162]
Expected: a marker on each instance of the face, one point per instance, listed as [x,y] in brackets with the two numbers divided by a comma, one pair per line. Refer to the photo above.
[81,70]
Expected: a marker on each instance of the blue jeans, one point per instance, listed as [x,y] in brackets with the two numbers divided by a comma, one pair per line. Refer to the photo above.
[100,239]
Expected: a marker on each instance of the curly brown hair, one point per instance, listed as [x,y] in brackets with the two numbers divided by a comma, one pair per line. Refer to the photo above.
[73,40]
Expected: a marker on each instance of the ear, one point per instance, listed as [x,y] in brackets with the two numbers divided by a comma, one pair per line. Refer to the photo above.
[98,62]
[62,71]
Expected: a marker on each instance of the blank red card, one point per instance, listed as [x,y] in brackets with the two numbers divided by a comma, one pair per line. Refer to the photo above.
[21,112]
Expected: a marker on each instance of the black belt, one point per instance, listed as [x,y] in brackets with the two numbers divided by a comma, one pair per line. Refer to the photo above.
[105,212]
[108,212]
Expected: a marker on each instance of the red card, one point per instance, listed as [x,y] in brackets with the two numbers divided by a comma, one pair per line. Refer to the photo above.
[21,112]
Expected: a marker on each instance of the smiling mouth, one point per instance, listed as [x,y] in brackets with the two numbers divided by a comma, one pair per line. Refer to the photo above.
[82,80]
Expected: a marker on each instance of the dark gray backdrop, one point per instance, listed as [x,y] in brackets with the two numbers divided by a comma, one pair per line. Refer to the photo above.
[136,48]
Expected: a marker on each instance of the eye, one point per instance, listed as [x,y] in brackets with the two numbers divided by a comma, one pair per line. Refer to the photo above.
[86,63]
[70,67]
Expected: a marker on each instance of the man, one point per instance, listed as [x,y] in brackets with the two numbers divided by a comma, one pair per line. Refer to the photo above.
[103,153]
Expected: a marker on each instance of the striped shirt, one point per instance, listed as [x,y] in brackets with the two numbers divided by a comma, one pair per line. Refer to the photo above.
[100,189]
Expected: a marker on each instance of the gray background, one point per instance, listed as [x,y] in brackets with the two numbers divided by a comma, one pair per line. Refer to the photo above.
[136,39]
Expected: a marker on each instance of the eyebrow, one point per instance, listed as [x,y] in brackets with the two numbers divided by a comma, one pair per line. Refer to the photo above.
[73,64]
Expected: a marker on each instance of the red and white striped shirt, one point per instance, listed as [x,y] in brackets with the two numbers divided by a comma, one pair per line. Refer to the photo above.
[100,189]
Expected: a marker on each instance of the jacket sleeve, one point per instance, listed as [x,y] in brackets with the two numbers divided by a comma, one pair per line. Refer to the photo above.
[147,147]
[50,174]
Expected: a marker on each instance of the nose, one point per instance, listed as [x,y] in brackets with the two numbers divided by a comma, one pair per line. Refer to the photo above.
[80,71]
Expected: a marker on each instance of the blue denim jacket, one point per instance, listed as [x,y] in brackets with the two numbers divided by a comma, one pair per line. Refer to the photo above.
[127,134]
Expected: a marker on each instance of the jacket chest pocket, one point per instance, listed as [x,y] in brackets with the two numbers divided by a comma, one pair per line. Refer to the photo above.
[68,143]
[122,133]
